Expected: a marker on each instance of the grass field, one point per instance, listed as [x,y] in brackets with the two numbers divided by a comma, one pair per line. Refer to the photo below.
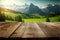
[35,20]
[52,19]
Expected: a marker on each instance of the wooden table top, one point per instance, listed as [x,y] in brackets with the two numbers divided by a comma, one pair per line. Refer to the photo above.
[29,30]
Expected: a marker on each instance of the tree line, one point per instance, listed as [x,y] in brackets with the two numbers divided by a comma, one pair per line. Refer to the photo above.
[4,17]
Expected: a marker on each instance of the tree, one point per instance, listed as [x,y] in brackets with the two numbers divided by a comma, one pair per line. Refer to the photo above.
[18,18]
[2,17]
[59,19]
[47,18]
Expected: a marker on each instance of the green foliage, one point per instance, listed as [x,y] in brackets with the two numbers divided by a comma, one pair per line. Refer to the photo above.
[2,17]
[47,20]
[18,18]
[59,19]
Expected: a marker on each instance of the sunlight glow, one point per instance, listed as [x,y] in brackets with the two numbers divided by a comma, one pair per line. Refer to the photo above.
[7,2]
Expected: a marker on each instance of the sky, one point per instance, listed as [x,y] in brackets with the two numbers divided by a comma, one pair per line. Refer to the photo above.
[35,2]
[39,2]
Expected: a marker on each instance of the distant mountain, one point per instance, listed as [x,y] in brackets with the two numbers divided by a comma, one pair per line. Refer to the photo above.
[31,9]
[35,9]
[22,8]
[12,13]
[52,9]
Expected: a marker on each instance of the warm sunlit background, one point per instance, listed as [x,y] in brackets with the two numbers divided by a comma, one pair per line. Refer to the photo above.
[10,3]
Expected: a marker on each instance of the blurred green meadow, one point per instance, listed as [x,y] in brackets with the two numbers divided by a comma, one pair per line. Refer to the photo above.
[12,16]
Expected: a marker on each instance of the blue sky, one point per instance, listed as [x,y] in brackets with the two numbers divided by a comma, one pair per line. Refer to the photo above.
[39,2]
[35,2]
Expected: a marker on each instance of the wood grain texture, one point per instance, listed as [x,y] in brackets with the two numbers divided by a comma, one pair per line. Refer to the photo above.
[50,29]
[30,30]
[8,29]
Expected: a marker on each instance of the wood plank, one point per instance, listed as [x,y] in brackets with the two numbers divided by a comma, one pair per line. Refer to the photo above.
[33,31]
[4,24]
[20,31]
[53,24]
[29,30]
[8,29]
[50,29]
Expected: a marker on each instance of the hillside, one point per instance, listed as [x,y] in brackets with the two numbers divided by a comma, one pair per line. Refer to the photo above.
[23,15]
[8,10]
[8,14]
[11,15]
